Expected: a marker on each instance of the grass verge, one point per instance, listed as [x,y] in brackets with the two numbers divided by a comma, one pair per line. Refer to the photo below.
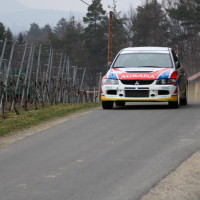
[27,119]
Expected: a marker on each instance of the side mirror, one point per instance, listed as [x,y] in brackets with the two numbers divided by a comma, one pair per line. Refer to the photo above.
[177,64]
[109,64]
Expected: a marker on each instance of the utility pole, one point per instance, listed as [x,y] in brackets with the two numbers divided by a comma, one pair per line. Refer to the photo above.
[110,32]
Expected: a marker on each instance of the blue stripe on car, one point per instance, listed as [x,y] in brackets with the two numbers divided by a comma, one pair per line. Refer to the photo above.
[112,75]
[165,74]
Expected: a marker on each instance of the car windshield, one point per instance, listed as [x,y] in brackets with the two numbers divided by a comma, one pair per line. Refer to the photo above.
[130,60]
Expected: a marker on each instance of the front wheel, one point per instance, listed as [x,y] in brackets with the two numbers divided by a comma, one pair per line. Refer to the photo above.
[120,103]
[107,104]
[175,104]
[184,101]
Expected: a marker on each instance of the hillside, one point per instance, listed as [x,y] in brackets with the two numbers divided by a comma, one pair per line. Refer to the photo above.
[10,6]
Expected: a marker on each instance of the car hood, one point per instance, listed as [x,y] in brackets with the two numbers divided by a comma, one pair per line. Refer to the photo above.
[139,73]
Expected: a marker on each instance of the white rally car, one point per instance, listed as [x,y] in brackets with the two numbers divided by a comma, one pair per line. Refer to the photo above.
[139,74]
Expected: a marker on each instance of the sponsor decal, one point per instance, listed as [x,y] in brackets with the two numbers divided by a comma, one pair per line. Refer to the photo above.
[145,76]
[140,76]
[165,96]
[111,97]
[159,74]
[165,88]
[108,87]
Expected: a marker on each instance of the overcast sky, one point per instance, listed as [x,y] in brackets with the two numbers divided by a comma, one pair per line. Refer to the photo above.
[77,5]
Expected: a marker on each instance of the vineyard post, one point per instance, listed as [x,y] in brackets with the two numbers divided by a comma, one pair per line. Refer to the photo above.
[38,65]
[67,75]
[1,61]
[46,76]
[9,68]
[36,79]
[49,76]
[19,75]
[2,53]
[30,71]
[67,70]
[26,75]
[62,82]
[82,83]
[74,83]
[57,91]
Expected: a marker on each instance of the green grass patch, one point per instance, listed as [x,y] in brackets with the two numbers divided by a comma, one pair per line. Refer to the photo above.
[27,119]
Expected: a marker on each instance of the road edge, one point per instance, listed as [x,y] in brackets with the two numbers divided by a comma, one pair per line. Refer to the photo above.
[181,184]
[19,135]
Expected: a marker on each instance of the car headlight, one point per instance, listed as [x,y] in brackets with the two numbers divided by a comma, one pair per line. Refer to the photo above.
[166,81]
[110,82]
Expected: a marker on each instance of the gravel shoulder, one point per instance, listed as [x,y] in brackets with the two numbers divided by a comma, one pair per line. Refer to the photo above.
[182,184]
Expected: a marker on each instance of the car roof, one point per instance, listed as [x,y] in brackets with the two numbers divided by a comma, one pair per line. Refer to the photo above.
[146,49]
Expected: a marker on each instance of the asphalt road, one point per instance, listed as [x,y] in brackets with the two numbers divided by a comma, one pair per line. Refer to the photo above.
[117,154]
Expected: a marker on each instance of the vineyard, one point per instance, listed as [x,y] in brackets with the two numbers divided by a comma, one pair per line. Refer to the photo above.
[33,75]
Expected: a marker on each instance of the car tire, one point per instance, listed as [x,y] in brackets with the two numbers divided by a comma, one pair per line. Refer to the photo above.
[120,103]
[107,104]
[175,104]
[184,101]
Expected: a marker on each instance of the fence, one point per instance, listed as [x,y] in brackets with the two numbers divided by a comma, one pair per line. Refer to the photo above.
[37,75]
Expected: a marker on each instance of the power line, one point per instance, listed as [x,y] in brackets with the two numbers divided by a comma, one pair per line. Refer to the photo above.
[85,2]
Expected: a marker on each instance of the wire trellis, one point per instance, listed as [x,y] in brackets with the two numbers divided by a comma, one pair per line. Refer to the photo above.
[39,75]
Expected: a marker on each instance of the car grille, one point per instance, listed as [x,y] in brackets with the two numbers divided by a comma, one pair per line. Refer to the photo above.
[163,92]
[136,93]
[112,92]
[137,82]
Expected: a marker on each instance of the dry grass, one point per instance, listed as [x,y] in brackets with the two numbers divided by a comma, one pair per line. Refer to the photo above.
[33,117]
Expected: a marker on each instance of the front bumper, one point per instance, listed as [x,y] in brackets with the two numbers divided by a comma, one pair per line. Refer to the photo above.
[141,93]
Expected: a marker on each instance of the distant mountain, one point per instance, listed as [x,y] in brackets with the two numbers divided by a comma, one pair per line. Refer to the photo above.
[9,6]
[19,17]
